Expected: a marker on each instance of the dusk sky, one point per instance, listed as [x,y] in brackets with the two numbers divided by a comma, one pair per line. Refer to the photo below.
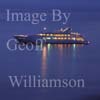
[93,5]
[83,13]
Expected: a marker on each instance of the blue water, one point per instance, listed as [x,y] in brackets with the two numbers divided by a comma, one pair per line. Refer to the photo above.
[55,61]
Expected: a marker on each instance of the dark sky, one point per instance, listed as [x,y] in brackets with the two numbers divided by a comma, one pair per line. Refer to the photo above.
[93,5]
[87,18]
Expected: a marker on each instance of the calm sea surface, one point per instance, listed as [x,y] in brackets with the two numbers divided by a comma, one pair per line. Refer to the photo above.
[55,61]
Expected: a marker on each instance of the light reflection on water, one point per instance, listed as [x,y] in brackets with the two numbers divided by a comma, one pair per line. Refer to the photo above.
[55,61]
[44,61]
[63,50]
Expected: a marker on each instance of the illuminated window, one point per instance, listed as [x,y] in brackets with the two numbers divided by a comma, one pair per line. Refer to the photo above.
[59,38]
[41,34]
[55,38]
[48,34]
[48,38]
[65,38]
[62,38]
[51,34]
[69,35]
[74,38]
[80,39]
